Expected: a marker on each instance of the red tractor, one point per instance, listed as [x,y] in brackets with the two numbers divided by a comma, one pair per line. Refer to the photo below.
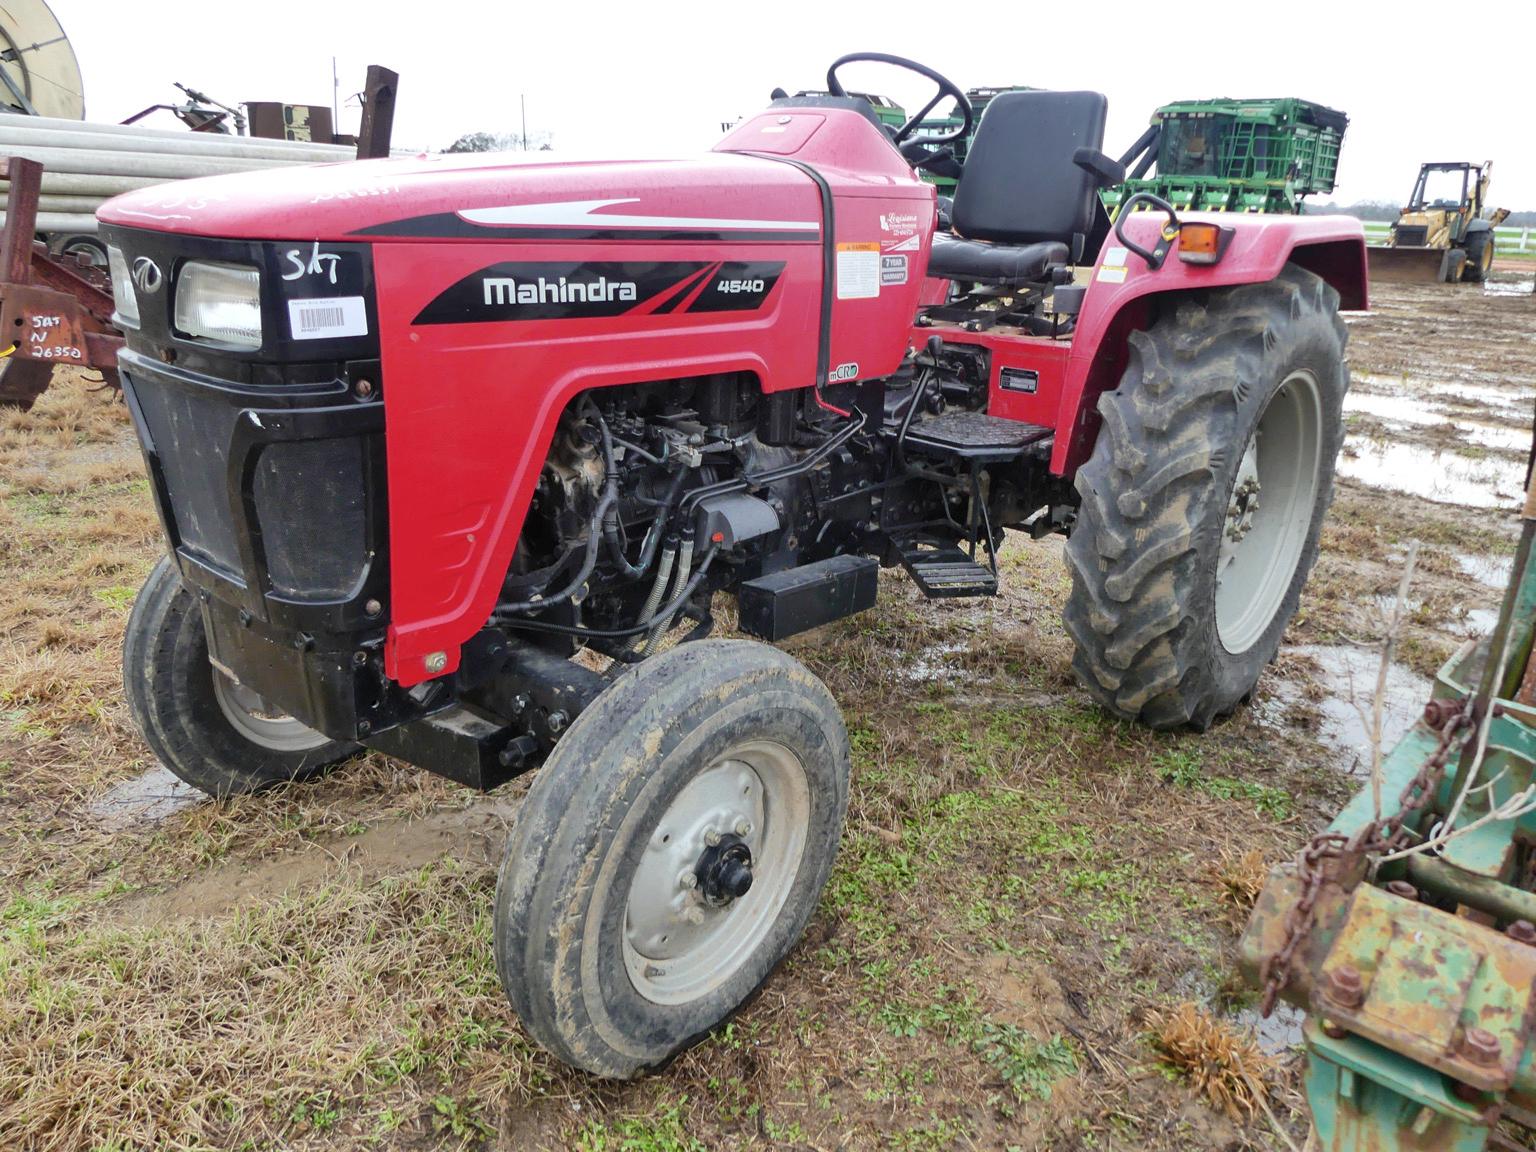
[421,430]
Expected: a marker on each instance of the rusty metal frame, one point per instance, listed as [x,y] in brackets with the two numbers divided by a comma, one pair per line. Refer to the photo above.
[51,311]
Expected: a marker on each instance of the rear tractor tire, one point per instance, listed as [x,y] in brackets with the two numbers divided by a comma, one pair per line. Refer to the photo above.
[1479,263]
[670,853]
[217,735]
[1204,497]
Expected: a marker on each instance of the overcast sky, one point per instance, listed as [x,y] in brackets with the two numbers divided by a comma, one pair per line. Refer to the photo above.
[655,77]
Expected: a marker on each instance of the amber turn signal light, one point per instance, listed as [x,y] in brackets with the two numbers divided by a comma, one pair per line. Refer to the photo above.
[1202,243]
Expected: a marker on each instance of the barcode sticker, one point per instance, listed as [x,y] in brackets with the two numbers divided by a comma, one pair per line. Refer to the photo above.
[327,318]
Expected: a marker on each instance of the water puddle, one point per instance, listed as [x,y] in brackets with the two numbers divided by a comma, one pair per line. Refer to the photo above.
[1492,570]
[931,664]
[147,799]
[1419,391]
[1276,1035]
[1433,473]
[1484,393]
[1395,407]
[1386,604]
[1509,288]
[1439,473]
[1347,677]
[1503,437]
[1480,621]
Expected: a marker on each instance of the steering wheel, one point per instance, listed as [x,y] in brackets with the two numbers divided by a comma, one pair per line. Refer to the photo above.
[946,87]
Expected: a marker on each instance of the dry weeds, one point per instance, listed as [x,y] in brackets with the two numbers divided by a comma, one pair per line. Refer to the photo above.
[1241,878]
[1227,1066]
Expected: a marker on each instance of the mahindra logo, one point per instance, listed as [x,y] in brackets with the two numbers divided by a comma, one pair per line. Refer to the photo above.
[506,290]
[147,276]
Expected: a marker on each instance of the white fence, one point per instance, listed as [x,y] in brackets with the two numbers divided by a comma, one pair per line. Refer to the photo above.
[1508,239]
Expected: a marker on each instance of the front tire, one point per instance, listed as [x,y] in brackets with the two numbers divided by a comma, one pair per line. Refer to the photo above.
[1479,264]
[213,733]
[622,932]
[1183,579]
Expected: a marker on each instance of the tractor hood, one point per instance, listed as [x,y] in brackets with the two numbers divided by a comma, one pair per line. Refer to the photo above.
[716,196]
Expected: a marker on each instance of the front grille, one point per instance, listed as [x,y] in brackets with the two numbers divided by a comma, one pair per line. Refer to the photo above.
[190,430]
[309,495]
[273,495]
[1411,235]
[310,500]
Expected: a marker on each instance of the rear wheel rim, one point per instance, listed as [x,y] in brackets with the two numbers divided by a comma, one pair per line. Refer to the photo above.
[257,721]
[1262,539]
[678,947]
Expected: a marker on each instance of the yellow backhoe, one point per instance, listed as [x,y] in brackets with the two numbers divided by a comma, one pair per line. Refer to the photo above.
[1446,233]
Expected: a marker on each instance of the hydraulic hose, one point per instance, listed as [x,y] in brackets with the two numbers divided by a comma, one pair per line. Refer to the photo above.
[594,542]
[616,633]
[652,537]
[658,590]
[783,471]
[679,581]
[611,535]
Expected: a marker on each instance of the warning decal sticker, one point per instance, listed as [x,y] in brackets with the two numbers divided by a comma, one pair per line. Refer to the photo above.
[858,271]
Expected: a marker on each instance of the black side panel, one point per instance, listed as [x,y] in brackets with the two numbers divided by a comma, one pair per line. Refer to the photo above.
[798,599]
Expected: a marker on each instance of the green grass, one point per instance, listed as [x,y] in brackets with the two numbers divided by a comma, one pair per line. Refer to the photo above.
[660,1131]
[1184,768]
[1029,1066]
[119,596]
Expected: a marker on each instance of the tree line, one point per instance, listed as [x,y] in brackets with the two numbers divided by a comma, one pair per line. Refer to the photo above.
[1387,210]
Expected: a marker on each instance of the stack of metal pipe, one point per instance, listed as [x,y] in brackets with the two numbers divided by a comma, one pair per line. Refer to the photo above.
[86,164]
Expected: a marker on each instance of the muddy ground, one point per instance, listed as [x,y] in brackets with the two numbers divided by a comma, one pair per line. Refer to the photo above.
[1026,895]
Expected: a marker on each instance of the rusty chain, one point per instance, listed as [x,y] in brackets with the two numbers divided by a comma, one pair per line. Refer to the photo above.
[1384,834]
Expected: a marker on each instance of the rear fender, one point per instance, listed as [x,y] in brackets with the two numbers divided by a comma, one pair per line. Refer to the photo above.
[1124,295]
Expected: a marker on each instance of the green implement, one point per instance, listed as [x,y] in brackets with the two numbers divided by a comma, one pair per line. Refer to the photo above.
[943,125]
[1234,155]
[1405,930]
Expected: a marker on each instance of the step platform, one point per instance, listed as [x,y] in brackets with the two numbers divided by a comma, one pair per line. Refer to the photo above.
[943,571]
[973,436]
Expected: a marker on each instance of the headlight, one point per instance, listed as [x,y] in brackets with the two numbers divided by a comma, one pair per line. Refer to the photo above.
[126,303]
[220,302]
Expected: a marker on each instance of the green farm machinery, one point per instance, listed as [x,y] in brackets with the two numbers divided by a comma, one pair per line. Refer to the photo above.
[888,112]
[1406,931]
[1199,155]
[1234,155]
[944,125]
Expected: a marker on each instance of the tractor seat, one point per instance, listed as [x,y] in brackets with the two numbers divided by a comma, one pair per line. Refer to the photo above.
[1028,196]
[955,258]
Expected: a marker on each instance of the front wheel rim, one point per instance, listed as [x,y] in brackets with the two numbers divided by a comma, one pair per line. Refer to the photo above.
[257,721]
[1262,539]
[678,944]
